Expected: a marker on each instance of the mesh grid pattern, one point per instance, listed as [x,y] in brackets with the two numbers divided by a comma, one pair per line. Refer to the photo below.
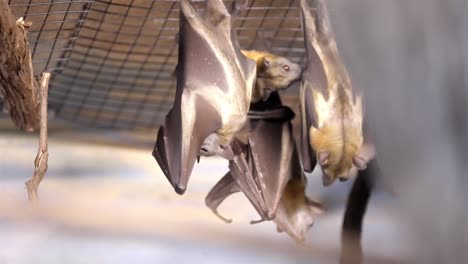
[113,60]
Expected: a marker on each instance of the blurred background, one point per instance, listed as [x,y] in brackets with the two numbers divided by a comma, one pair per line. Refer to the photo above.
[105,200]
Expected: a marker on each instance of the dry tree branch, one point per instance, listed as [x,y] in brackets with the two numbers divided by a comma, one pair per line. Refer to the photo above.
[24,99]
[17,85]
[40,163]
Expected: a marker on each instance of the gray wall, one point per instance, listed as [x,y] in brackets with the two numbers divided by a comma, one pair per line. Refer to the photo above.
[411,59]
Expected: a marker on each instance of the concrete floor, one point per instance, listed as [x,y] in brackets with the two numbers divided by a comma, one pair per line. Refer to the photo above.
[104,204]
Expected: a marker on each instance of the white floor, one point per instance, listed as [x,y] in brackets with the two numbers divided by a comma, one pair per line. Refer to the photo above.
[102,204]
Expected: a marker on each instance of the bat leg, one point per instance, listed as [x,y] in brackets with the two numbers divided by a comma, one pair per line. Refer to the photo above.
[222,189]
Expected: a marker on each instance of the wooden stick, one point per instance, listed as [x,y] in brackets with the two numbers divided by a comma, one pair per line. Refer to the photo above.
[17,85]
[40,163]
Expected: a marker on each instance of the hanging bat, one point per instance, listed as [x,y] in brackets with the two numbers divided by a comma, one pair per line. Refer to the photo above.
[331,111]
[214,87]
[268,171]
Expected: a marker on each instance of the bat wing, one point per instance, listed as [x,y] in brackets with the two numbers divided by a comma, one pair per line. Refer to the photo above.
[179,141]
[222,189]
[271,147]
[243,171]
[239,178]
[210,66]
[313,78]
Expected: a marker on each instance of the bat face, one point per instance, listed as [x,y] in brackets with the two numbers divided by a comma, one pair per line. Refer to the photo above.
[331,112]
[214,86]
[278,72]
[273,73]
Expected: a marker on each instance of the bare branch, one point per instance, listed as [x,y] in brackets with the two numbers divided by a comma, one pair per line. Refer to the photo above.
[40,163]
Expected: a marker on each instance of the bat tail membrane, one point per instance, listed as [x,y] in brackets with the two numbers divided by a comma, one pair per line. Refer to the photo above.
[223,189]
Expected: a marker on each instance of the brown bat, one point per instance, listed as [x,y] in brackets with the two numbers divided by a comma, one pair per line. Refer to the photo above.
[331,112]
[214,87]
[268,171]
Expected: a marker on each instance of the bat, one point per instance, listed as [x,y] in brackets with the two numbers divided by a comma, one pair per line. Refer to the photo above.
[213,93]
[331,111]
[267,170]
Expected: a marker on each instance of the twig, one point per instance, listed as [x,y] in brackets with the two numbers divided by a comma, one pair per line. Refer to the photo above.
[40,163]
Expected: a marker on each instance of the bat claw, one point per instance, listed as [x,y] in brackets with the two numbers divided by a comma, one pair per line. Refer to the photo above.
[225,220]
[254,222]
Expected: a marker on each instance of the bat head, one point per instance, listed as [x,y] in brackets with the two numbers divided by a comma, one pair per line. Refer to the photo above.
[337,149]
[296,214]
[274,73]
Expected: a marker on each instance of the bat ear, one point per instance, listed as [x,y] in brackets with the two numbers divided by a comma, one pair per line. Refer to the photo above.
[323,157]
[266,62]
[360,162]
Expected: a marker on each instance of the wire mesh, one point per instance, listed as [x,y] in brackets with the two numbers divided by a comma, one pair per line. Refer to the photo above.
[113,60]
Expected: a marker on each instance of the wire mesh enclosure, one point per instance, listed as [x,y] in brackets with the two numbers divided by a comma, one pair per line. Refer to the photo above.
[113,61]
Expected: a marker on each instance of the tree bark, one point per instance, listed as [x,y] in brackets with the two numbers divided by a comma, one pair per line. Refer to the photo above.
[17,85]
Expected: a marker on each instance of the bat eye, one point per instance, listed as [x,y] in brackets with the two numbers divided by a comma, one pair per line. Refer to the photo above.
[286,68]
